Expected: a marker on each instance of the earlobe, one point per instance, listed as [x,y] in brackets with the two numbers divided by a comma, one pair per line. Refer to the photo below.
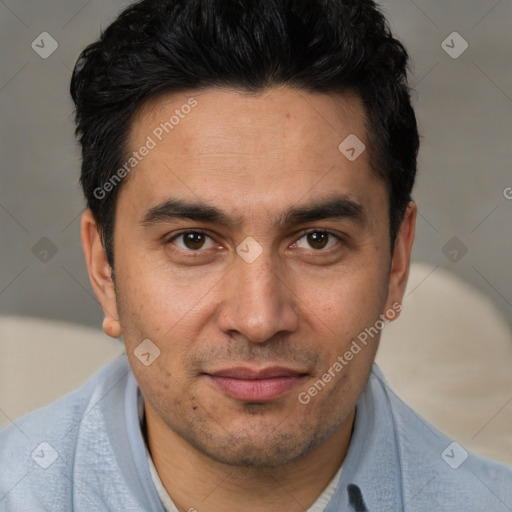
[401,259]
[112,327]
[100,273]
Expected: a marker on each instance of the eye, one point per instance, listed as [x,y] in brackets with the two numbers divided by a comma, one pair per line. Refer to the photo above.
[192,241]
[317,240]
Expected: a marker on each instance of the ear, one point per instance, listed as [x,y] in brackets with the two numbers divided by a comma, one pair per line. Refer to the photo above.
[400,262]
[100,273]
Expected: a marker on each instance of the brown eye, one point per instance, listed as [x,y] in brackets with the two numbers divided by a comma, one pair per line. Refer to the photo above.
[317,240]
[192,241]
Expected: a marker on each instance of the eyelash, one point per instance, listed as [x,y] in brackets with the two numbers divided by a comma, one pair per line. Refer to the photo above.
[199,231]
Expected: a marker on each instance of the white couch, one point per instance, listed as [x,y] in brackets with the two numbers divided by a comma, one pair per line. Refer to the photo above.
[449,356]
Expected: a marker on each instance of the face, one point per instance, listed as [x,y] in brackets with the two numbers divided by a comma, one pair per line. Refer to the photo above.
[252,253]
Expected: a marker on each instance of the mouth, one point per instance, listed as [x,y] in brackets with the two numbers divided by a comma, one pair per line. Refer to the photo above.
[256,385]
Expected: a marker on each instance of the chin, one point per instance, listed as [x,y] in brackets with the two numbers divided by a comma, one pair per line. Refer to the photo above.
[261,448]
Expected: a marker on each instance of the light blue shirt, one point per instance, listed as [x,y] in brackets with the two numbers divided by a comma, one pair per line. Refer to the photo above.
[86,453]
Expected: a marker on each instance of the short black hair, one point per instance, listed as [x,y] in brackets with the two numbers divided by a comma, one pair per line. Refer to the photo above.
[163,46]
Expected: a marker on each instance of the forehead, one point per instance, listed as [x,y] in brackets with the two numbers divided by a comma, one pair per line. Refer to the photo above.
[233,117]
[228,147]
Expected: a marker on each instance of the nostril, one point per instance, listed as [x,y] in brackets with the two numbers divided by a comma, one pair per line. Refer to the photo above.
[355,498]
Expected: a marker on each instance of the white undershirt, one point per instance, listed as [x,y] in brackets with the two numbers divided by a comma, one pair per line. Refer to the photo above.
[318,506]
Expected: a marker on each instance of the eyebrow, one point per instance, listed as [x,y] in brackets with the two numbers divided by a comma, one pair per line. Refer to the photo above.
[179,209]
[339,207]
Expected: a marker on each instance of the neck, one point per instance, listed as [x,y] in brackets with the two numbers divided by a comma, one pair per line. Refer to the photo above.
[194,481]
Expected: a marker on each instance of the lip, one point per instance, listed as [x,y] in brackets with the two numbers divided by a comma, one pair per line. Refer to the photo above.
[256,385]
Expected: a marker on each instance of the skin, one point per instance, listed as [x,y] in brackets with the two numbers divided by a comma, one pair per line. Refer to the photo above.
[299,304]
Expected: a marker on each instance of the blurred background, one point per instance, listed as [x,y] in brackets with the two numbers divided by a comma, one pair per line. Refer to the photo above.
[462,78]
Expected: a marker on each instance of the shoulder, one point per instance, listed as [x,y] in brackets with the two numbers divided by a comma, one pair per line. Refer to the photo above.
[438,471]
[37,451]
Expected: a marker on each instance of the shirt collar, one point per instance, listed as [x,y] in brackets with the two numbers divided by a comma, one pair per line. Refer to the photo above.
[371,478]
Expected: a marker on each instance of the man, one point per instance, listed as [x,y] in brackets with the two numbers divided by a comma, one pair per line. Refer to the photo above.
[248,170]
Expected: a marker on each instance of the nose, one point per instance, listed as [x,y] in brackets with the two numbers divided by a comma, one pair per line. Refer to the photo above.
[258,303]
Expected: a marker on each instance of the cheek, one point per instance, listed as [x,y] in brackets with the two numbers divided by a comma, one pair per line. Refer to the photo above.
[346,301]
[159,380]
[171,315]
[165,382]
[152,303]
